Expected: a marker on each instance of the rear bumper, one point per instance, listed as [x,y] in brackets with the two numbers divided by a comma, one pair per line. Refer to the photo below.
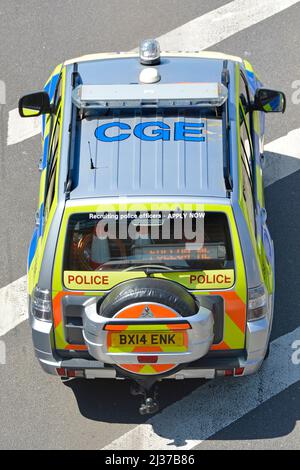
[257,341]
[209,366]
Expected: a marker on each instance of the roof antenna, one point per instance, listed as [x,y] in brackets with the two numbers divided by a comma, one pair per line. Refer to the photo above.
[91,159]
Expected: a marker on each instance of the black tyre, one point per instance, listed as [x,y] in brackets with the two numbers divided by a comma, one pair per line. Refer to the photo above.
[159,291]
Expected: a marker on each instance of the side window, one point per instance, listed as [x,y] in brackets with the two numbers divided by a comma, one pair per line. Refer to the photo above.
[246,151]
[52,166]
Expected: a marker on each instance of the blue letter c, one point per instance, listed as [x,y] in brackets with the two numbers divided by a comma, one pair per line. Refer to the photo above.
[100,132]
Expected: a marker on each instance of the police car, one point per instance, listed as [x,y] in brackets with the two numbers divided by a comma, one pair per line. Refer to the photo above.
[151,257]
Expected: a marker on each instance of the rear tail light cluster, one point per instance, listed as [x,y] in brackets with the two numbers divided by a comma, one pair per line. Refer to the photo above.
[41,307]
[257,303]
[238,371]
[62,372]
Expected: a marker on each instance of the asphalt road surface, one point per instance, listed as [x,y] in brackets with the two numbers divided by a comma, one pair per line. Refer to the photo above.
[38,411]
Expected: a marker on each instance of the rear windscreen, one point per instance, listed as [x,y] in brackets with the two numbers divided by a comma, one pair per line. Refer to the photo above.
[181,241]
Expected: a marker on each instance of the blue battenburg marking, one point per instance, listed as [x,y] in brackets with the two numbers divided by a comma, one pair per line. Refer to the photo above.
[251,81]
[43,123]
[35,237]
[32,247]
[151,131]
[45,154]
[41,226]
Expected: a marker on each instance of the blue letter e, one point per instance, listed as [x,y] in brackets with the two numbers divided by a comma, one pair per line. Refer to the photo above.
[183,129]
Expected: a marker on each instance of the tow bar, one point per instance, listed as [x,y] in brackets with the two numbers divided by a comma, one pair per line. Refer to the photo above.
[149,394]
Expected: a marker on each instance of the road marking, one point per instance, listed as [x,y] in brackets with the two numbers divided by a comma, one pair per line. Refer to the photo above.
[20,129]
[215,405]
[282,157]
[215,26]
[198,34]
[13,305]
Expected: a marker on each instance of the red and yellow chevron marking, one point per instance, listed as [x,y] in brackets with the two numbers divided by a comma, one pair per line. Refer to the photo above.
[147,369]
[235,319]
[58,323]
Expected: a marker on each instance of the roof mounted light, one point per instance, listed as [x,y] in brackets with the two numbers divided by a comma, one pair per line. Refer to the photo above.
[150,52]
[167,95]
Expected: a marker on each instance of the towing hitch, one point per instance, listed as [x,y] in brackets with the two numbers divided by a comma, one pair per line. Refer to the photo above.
[149,394]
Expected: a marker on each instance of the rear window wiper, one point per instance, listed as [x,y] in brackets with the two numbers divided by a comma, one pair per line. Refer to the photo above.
[148,270]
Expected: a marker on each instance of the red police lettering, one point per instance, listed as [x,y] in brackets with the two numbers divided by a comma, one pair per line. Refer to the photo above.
[88,280]
[210,279]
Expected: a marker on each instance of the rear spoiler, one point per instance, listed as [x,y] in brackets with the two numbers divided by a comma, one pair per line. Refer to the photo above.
[167,95]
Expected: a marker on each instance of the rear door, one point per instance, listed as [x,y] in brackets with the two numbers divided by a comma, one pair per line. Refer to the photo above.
[87,265]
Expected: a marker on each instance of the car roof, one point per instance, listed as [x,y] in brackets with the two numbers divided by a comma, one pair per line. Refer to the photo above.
[141,168]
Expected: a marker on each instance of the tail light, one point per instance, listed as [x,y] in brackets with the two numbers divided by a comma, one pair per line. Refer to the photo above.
[147,359]
[257,303]
[61,371]
[41,307]
[238,371]
[70,373]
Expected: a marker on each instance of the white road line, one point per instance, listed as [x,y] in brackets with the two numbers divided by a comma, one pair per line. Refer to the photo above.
[217,25]
[282,157]
[215,405]
[198,34]
[20,129]
[13,305]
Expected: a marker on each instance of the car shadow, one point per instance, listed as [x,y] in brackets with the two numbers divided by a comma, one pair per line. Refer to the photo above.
[283,208]
[109,400]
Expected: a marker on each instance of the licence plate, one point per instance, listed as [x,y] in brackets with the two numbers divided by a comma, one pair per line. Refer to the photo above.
[147,338]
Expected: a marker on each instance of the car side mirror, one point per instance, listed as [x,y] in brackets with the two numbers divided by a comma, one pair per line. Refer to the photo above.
[269,101]
[35,104]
